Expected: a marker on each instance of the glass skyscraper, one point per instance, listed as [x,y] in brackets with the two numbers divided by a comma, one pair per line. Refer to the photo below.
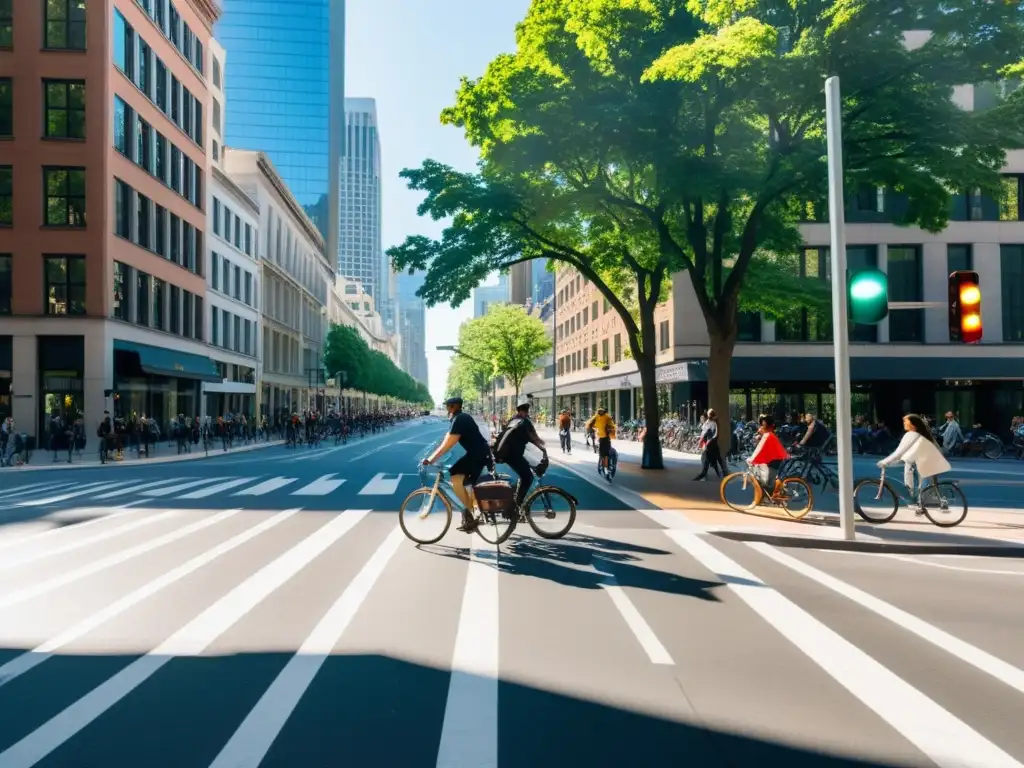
[285,91]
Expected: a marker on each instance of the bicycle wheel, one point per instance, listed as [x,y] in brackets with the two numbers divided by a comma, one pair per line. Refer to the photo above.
[993,449]
[422,520]
[495,527]
[874,501]
[944,504]
[550,512]
[799,497]
[740,491]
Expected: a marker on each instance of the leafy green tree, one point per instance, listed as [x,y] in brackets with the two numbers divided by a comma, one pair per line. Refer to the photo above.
[368,370]
[633,140]
[512,340]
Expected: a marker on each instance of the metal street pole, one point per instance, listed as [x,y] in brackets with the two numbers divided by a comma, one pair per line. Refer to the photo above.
[554,349]
[840,331]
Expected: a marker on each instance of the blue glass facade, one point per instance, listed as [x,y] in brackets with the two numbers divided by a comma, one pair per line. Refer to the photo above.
[278,90]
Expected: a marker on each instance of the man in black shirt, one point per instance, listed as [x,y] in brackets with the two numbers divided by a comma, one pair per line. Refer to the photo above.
[467,469]
[511,447]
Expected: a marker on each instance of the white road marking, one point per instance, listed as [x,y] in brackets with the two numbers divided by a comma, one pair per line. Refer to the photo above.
[254,737]
[21,664]
[469,735]
[948,741]
[90,569]
[84,542]
[319,487]
[202,493]
[371,452]
[649,641]
[82,491]
[266,486]
[191,640]
[24,490]
[168,490]
[148,484]
[964,651]
[106,515]
[381,485]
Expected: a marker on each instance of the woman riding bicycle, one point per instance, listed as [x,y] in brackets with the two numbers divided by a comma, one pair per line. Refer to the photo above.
[917,449]
[768,456]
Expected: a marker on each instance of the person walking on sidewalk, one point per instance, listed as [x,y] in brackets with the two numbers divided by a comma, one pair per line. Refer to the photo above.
[710,452]
[564,435]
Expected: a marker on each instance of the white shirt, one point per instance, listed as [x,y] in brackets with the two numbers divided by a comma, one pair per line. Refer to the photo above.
[915,449]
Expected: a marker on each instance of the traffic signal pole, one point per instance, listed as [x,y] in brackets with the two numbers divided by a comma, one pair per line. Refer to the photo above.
[836,198]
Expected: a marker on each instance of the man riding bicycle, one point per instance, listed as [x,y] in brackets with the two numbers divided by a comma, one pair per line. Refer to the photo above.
[467,469]
[604,427]
[510,447]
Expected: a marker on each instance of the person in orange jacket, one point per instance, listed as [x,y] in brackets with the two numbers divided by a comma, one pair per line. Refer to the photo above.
[768,456]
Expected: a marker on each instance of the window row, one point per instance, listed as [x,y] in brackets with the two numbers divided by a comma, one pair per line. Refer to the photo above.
[175,29]
[153,227]
[154,153]
[231,280]
[63,113]
[233,229]
[229,331]
[149,73]
[147,301]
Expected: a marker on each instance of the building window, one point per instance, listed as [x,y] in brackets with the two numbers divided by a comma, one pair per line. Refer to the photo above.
[142,76]
[1012,284]
[124,45]
[159,292]
[216,73]
[175,253]
[6,283]
[1011,204]
[801,323]
[248,288]
[64,285]
[161,85]
[6,23]
[175,169]
[144,155]
[198,329]
[65,108]
[175,326]
[65,24]
[6,195]
[663,335]
[161,231]
[248,240]
[65,197]
[905,284]
[142,230]
[860,257]
[6,107]
[142,299]
[122,116]
[959,257]
[215,326]
[175,100]
[618,347]
[161,157]
[122,209]
[120,301]
[187,314]
[216,216]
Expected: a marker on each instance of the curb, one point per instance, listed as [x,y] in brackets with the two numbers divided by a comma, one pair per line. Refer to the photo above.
[145,462]
[873,546]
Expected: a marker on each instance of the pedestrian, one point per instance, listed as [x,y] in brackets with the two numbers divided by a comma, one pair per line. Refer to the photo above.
[710,452]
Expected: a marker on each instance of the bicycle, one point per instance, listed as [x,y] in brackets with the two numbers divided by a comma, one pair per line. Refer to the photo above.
[796,496]
[412,515]
[884,501]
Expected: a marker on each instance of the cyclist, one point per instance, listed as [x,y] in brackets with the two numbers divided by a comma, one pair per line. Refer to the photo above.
[510,447]
[817,434]
[468,468]
[604,428]
[768,456]
[917,448]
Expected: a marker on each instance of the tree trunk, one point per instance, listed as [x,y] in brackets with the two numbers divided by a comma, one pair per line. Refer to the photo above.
[720,351]
[652,456]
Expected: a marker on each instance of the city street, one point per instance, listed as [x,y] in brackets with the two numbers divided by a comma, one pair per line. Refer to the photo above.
[264,609]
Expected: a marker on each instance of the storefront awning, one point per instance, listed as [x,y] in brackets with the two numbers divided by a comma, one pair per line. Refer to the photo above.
[172,363]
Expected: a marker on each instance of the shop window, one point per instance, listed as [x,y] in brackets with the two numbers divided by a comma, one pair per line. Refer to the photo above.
[6,283]
[64,285]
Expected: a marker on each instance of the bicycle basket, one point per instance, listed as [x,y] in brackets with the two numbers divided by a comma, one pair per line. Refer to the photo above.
[495,496]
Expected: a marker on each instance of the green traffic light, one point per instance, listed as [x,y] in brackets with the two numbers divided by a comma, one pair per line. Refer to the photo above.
[868,296]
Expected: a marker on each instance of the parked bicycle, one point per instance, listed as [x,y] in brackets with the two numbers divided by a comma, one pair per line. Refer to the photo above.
[743,491]
[426,514]
[878,500]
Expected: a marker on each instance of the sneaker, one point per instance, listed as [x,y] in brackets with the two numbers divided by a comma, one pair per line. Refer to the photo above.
[468,525]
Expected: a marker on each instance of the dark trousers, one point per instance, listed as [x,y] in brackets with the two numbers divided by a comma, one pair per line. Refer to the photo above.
[521,467]
[712,457]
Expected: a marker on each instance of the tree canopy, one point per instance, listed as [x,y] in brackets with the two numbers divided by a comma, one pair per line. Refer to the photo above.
[368,370]
[510,339]
[636,139]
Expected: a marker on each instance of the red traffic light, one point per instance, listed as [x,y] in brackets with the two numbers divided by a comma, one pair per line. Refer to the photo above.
[965,324]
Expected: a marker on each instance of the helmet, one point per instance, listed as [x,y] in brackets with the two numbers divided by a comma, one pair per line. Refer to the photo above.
[602,411]
[453,401]
[523,403]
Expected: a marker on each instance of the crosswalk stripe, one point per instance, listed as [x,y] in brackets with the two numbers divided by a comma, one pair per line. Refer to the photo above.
[31,659]
[254,737]
[117,558]
[71,546]
[24,490]
[148,484]
[266,486]
[82,491]
[202,493]
[191,640]
[172,489]
[320,487]
[944,738]
[104,516]
[381,485]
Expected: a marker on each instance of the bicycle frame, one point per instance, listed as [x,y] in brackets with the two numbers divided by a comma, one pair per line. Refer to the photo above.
[442,486]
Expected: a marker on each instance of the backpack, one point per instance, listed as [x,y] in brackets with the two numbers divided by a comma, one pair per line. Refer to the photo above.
[504,442]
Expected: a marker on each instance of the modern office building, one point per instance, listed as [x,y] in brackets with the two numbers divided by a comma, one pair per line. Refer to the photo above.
[295,278]
[103,178]
[360,252]
[543,287]
[286,85]
[486,295]
[412,317]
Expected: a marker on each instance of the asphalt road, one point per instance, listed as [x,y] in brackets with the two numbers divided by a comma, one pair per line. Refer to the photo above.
[158,617]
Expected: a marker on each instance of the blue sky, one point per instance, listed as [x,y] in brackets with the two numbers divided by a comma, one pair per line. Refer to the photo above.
[409,56]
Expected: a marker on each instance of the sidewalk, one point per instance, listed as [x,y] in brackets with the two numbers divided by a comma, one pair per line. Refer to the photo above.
[43,460]
[988,531]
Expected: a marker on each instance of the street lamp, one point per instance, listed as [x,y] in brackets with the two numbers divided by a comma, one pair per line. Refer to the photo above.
[494,382]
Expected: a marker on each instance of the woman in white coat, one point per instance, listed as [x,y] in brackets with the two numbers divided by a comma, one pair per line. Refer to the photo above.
[917,449]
